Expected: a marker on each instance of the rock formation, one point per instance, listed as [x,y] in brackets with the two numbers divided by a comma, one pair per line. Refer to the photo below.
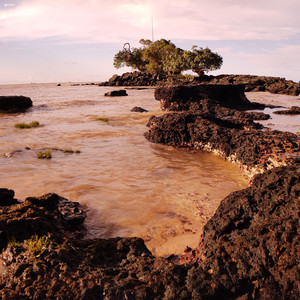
[210,124]
[178,98]
[253,83]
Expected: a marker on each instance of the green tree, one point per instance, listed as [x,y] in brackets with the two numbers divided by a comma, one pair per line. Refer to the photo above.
[201,60]
[163,57]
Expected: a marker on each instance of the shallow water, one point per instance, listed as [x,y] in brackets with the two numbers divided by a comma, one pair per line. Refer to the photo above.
[289,123]
[131,187]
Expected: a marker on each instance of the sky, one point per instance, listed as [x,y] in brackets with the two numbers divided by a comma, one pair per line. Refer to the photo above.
[76,40]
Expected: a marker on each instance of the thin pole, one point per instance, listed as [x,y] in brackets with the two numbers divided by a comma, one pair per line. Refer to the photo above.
[152,30]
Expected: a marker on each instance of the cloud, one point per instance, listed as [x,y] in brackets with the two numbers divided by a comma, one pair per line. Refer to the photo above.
[9,5]
[93,21]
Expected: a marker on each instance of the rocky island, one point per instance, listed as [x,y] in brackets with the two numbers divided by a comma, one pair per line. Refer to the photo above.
[253,83]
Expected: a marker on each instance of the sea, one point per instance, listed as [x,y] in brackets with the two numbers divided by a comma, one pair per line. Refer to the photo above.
[129,186]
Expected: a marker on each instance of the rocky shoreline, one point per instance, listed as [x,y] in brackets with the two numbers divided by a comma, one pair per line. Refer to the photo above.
[253,83]
[210,123]
[248,249]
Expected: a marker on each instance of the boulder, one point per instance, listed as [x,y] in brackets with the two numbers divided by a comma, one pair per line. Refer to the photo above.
[14,103]
[116,93]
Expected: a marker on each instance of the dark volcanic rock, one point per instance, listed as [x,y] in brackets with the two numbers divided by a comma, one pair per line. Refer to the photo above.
[14,103]
[135,79]
[251,245]
[116,93]
[238,140]
[178,98]
[294,110]
[42,215]
[252,83]
[139,109]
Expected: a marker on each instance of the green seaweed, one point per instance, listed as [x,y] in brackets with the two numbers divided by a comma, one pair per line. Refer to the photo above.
[32,124]
[102,119]
[44,155]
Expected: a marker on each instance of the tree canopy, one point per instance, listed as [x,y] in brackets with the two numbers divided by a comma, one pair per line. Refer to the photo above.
[163,57]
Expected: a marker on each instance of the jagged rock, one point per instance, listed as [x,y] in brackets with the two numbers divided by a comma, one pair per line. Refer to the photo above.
[49,213]
[250,246]
[116,93]
[14,103]
[178,98]
[294,110]
[139,109]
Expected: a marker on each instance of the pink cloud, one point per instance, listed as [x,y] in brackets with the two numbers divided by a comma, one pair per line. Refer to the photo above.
[115,21]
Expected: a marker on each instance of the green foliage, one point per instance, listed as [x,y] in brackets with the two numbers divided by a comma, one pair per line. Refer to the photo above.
[30,125]
[201,60]
[163,57]
[44,155]
[38,245]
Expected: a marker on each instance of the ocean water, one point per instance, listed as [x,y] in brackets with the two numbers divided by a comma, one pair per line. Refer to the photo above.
[129,186]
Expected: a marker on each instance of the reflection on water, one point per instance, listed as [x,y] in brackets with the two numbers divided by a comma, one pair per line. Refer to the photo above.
[130,186]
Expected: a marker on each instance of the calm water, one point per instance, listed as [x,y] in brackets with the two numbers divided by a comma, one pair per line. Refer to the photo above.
[129,186]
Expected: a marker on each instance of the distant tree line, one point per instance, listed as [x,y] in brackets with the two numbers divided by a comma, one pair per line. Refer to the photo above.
[163,57]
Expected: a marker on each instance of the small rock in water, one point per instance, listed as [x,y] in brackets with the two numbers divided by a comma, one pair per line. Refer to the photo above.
[116,93]
[139,109]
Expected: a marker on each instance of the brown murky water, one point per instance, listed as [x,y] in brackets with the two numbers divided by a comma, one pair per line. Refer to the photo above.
[130,186]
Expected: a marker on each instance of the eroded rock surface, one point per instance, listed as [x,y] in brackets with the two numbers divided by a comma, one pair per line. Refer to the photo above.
[181,97]
[250,247]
